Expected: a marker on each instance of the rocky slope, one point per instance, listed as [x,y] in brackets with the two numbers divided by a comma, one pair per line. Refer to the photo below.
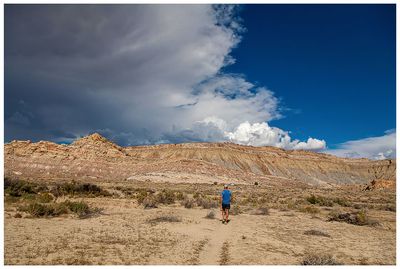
[97,158]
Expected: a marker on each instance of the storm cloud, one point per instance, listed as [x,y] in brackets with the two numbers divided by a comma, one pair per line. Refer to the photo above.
[138,74]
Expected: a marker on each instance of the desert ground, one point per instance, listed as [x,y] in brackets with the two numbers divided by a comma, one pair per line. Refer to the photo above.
[142,223]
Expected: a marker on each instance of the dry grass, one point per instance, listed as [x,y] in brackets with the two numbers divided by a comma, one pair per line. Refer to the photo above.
[188,203]
[356,218]
[261,211]
[319,259]
[316,233]
[165,218]
[313,210]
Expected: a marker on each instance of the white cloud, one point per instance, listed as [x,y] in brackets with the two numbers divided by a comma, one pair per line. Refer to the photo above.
[261,134]
[256,134]
[378,148]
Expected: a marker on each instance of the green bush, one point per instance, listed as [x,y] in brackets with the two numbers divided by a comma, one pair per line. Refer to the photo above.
[44,197]
[319,200]
[79,208]
[73,188]
[18,188]
[40,210]
[56,209]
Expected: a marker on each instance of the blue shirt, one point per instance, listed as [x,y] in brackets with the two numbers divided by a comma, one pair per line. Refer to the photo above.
[226,197]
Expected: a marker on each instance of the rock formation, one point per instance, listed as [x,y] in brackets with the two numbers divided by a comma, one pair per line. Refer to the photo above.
[95,157]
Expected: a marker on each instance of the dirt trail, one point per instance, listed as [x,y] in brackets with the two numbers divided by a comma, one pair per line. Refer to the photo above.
[214,249]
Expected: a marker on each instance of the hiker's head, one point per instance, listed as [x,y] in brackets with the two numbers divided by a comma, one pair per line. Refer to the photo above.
[226,186]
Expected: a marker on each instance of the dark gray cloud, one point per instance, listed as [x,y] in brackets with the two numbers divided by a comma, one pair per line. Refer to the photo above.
[138,74]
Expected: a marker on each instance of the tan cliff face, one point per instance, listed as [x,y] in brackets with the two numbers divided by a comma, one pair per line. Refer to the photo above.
[94,157]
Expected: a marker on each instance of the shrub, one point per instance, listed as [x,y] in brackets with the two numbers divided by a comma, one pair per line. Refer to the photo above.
[179,196]
[319,259]
[215,183]
[236,210]
[322,201]
[29,196]
[141,196]
[359,206]
[310,209]
[312,199]
[210,215]
[317,233]
[11,199]
[18,216]
[196,195]
[45,198]
[206,203]
[79,208]
[60,208]
[388,207]
[261,211]
[166,197]
[149,202]
[73,188]
[356,218]
[39,210]
[256,183]
[341,202]
[18,188]
[56,209]
[188,203]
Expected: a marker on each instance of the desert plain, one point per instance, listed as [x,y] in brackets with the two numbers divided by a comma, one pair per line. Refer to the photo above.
[95,203]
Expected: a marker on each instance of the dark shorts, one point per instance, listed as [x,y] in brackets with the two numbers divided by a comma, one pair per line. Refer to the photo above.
[226,206]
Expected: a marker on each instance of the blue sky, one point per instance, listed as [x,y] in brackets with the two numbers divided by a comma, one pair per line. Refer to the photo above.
[332,65]
[298,77]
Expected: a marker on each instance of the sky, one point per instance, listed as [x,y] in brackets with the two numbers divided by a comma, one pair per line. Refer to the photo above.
[310,77]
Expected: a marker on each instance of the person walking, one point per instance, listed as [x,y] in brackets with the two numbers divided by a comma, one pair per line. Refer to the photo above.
[226,197]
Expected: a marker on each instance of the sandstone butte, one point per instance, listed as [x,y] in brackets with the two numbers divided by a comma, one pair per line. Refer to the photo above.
[95,158]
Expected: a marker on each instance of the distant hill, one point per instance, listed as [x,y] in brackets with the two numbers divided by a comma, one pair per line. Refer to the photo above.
[95,157]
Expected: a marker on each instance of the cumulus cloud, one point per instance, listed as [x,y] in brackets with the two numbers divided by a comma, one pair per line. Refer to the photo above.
[139,74]
[378,148]
[261,134]
[256,134]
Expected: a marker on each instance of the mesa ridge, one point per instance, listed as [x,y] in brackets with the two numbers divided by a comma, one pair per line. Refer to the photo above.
[95,157]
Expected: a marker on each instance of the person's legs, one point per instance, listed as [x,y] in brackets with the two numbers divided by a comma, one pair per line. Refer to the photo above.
[227,214]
